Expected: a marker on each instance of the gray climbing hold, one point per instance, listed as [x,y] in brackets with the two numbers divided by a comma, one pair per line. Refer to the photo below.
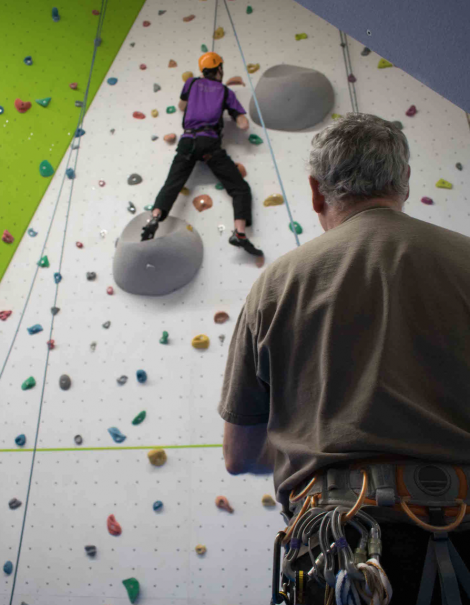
[156,87]
[55,310]
[292,98]
[366,51]
[132,44]
[160,12]
[78,103]
[14,503]
[134,179]
[64,382]
[8,567]
[131,208]
[154,137]
[90,550]
[112,131]
[121,380]
[35,329]
[459,166]
[20,440]
[93,346]
[116,435]
[91,275]
[106,325]
[112,81]
[78,439]
[70,172]
[32,232]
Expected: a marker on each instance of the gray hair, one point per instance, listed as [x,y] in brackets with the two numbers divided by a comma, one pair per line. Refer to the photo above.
[360,157]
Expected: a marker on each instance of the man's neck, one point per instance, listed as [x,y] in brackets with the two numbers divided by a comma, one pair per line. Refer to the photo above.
[334,218]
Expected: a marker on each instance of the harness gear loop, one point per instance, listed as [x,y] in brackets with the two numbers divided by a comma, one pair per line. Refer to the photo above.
[360,500]
[434,528]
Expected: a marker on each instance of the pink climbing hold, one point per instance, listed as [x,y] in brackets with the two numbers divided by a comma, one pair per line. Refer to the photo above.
[352,78]
[142,66]
[101,183]
[95,11]
[113,526]
[73,86]
[146,23]
[7,237]
[22,106]
[411,111]
[427,200]
[138,115]
[110,290]
[51,344]
[79,244]
[4,315]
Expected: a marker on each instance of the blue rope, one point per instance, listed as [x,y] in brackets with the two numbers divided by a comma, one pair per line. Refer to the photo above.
[80,122]
[215,23]
[264,128]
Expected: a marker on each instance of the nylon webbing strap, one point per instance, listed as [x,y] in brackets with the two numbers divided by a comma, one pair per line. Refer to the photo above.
[449,586]
[461,570]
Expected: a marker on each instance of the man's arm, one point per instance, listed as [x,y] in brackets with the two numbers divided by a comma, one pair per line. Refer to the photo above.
[247,449]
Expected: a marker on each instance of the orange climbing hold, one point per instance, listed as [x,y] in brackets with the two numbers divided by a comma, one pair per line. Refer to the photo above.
[223,503]
[170,138]
[202,202]
[22,106]
[241,169]
[113,526]
[172,63]
[235,80]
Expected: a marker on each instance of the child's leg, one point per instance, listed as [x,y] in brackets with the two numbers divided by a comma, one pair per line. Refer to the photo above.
[180,171]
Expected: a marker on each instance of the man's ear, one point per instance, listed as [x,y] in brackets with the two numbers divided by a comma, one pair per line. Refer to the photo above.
[318,200]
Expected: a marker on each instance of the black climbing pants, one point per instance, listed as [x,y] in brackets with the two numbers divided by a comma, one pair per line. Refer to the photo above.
[404,549]
[209,150]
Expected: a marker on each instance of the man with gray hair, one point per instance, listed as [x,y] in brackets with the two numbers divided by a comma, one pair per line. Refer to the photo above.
[349,377]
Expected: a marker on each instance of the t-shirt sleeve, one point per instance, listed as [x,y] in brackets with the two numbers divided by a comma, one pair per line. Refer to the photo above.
[185,91]
[245,397]
[233,106]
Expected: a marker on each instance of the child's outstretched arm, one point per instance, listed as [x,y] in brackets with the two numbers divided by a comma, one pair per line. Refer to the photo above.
[242,122]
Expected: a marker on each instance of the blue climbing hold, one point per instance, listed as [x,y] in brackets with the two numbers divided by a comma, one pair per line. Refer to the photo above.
[35,329]
[2,109]
[116,435]
[20,440]
[57,278]
[112,81]
[157,505]
[141,376]
[32,232]
[8,567]
[28,60]
[79,133]
[70,172]
[55,14]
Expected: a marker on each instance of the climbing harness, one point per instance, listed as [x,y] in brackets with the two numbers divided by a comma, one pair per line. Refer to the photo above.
[335,499]
[218,128]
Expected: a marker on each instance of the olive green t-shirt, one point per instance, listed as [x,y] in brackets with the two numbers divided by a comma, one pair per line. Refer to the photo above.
[357,344]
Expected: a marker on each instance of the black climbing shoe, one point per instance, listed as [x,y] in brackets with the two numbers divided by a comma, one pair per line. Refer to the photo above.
[244,242]
[149,230]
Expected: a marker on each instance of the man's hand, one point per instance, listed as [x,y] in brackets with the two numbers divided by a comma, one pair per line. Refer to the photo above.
[242,122]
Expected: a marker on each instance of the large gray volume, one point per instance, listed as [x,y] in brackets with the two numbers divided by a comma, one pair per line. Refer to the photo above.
[292,98]
[159,266]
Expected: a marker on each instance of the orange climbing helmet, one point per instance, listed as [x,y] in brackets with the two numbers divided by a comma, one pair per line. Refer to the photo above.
[210,61]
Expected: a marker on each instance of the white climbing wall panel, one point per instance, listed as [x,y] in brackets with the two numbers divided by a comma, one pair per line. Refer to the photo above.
[74,489]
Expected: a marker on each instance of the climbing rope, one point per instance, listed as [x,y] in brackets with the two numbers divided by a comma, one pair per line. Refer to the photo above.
[79,125]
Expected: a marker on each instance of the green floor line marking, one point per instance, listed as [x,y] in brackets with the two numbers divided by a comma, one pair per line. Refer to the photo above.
[107,449]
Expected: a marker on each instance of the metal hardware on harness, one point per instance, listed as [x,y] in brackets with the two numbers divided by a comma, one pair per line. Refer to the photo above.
[278,597]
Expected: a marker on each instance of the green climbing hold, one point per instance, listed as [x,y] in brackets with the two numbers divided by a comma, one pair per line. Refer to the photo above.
[442,184]
[219,186]
[297,227]
[384,63]
[255,139]
[139,418]
[133,589]
[204,48]
[164,338]
[171,109]
[46,169]
[301,36]
[249,10]
[336,116]
[44,262]
[29,383]
[149,207]
[43,102]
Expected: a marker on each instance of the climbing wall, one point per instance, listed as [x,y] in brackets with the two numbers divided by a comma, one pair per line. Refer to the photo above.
[68,490]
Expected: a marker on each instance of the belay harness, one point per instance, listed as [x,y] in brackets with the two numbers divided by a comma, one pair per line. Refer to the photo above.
[218,128]
[335,498]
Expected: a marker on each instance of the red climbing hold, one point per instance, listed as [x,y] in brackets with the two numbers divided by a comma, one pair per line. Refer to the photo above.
[73,86]
[110,290]
[95,12]
[51,344]
[113,526]
[143,66]
[138,115]
[22,106]
[4,315]
[189,18]
[427,200]
[7,237]
[411,111]
[146,23]
[352,78]
[101,183]
[79,244]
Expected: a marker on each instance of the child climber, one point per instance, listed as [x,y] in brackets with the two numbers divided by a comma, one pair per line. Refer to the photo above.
[204,101]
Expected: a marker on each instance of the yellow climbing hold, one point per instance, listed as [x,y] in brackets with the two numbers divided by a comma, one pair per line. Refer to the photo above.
[274,200]
[189,227]
[187,75]
[201,341]
[154,113]
[442,184]
[201,549]
[267,500]
[384,63]
[336,116]
[219,33]
[252,67]
[185,191]
[157,457]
